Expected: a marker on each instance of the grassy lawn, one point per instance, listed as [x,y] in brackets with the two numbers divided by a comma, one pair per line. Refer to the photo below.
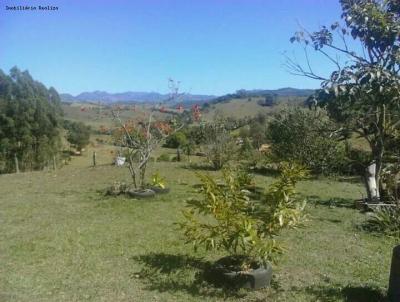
[62,240]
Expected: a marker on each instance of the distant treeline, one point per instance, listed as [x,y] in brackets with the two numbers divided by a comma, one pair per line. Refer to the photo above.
[242,93]
[29,122]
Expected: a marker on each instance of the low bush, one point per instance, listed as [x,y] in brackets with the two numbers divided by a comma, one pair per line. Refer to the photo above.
[164,157]
[306,136]
[245,178]
[227,219]
[220,147]
[385,220]
[176,140]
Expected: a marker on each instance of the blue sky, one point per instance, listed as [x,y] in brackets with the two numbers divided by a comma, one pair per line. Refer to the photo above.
[211,46]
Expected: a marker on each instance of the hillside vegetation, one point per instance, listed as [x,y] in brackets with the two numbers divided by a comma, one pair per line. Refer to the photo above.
[248,106]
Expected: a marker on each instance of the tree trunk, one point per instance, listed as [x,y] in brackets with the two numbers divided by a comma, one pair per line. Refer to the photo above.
[373,171]
[142,176]
[132,171]
[16,163]
[372,181]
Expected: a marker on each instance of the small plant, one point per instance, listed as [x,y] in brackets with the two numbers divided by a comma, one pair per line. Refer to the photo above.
[385,220]
[158,181]
[245,179]
[116,188]
[226,219]
[285,211]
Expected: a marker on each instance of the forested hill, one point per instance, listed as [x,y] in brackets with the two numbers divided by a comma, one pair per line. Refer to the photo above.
[29,122]
[281,92]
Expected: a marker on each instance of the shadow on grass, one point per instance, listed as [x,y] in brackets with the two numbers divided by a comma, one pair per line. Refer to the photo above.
[375,228]
[336,202]
[350,179]
[330,220]
[347,294]
[265,171]
[199,167]
[180,273]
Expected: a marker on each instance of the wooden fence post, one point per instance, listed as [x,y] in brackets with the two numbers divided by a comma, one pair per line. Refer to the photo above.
[16,163]
[94,158]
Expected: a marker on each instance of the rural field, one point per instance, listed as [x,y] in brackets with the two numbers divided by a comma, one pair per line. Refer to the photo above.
[62,239]
[200,151]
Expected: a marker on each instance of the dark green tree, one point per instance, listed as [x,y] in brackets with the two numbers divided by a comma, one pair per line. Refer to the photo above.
[304,136]
[363,91]
[78,134]
[29,122]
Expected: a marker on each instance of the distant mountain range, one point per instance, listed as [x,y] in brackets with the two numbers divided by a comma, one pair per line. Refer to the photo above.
[130,96]
[155,97]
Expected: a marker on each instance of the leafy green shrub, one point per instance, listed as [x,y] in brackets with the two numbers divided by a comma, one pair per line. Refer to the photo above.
[78,134]
[164,157]
[176,140]
[390,181]
[220,146]
[220,152]
[244,178]
[305,136]
[385,220]
[284,209]
[255,131]
[226,219]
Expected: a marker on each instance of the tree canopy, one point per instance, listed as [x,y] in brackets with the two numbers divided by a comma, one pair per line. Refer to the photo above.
[29,121]
[363,91]
[78,134]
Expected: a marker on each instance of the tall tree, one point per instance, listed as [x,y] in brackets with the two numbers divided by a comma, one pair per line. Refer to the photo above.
[29,115]
[363,92]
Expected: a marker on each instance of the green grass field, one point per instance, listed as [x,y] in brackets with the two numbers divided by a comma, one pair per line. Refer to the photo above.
[61,239]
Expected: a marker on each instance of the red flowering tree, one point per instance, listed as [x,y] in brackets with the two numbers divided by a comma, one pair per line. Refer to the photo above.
[142,136]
